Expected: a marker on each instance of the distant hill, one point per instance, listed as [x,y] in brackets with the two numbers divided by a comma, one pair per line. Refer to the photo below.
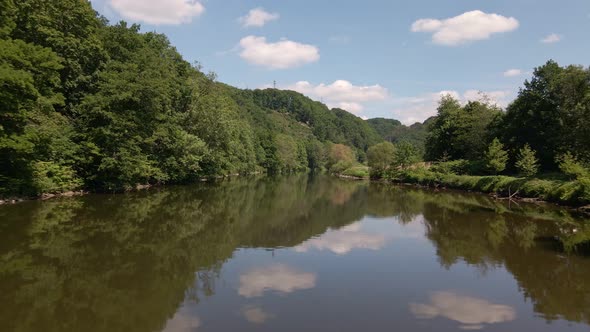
[394,131]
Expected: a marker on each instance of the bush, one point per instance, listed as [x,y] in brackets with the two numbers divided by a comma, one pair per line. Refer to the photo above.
[357,171]
[570,166]
[460,166]
[49,177]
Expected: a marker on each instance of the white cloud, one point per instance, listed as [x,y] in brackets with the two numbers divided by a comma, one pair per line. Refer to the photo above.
[512,73]
[410,110]
[344,240]
[469,26]
[280,55]
[255,314]
[280,278]
[158,11]
[472,313]
[258,17]
[342,94]
[552,38]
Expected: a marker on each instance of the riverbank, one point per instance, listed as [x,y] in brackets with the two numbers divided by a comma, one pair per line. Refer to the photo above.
[573,193]
[138,187]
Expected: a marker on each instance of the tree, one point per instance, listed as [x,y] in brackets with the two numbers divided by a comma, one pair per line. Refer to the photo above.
[496,157]
[405,155]
[527,162]
[340,157]
[461,132]
[380,157]
[551,113]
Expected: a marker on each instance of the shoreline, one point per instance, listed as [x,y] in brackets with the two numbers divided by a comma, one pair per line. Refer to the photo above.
[496,195]
[584,209]
[138,187]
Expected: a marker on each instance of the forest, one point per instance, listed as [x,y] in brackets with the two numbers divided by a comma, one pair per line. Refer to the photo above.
[539,147]
[105,107]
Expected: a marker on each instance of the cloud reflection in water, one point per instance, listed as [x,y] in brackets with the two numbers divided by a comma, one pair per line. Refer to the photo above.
[343,240]
[471,312]
[280,278]
[255,314]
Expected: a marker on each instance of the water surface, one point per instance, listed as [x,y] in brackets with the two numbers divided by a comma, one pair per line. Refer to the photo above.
[294,253]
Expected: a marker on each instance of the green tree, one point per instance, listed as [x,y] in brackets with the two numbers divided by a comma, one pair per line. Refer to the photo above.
[527,162]
[381,157]
[461,132]
[496,157]
[551,113]
[405,155]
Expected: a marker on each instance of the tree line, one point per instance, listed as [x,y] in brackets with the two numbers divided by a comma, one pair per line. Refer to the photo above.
[543,134]
[86,104]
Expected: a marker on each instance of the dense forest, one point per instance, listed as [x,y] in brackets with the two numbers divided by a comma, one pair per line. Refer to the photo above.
[104,107]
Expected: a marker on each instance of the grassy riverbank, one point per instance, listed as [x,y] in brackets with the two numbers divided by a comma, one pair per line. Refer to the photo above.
[573,192]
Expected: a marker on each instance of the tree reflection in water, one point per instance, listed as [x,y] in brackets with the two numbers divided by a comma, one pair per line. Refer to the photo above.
[128,262]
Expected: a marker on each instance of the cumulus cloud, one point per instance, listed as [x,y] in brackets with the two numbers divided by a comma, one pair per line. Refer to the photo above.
[342,94]
[258,17]
[255,314]
[279,278]
[280,55]
[552,38]
[158,12]
[410,110]
[512,73]
[467,27]
[472,313]
[344,240]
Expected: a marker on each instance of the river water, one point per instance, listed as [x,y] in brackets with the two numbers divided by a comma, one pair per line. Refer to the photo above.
[293,253]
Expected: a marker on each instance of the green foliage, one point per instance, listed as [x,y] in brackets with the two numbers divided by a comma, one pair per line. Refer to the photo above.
[405,155]
[49,177]
[340,158]
[115,108]
[461,132]
[496,157]
[551,113]
[565,192]
[571,166]
[393,131]
[527,162]
[358,171]
[460,166]
[381,158]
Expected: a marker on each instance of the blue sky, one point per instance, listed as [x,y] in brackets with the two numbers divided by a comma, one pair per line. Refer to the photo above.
[375,58]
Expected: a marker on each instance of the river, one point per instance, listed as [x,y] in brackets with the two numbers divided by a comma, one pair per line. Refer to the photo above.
[292,253]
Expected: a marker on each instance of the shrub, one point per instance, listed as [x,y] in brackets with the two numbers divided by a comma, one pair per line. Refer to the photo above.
[460,166]
[357,171]
[49,177]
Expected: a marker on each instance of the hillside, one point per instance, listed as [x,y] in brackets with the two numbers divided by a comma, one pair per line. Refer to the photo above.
[106,107]
[394,131]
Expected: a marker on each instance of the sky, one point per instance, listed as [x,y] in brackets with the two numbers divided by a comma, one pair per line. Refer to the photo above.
[373,58]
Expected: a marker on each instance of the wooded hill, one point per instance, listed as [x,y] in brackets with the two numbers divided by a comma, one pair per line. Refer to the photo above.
[105,107]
